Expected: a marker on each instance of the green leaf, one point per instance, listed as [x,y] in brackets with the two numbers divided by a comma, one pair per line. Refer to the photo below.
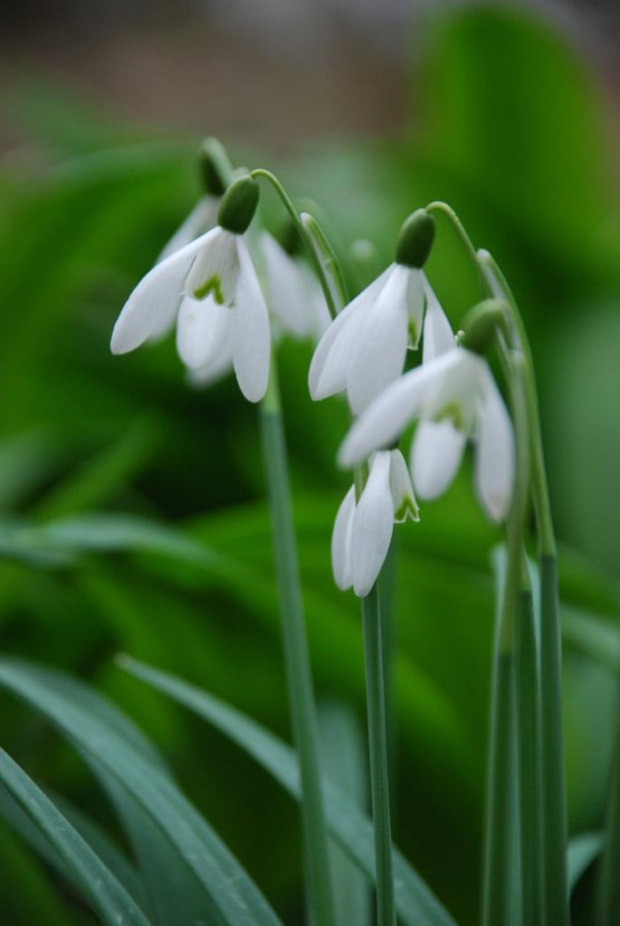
[229,896]
[416,904]
[582,850]
[97,885]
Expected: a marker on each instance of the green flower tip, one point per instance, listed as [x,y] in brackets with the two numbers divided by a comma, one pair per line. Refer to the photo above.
[214,167]
[415,239]
[239,205]
[481,325]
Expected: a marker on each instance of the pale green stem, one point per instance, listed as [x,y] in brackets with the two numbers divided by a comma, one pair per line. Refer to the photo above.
[378,749]
[297,659]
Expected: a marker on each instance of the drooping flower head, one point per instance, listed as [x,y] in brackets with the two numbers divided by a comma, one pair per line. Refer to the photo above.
[364,348]
[455,398]
[363,529]
[210,288]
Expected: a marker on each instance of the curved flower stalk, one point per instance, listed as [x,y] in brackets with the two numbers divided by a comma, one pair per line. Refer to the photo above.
[365,347]
[210,288]
[455,398]
[363,529]
[293,292]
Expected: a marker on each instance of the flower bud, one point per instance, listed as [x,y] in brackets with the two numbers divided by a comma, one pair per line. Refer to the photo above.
[415,239]
[239,205]
[214,167]
[481,325]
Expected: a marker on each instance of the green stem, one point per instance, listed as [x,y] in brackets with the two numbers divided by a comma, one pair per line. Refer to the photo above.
[387,596]
[465,240]
[530,774]
[299,225]
[552,737]
[377,741]
[297,658]
[608,890]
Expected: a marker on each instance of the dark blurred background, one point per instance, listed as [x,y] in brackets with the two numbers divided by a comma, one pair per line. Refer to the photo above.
[108,466]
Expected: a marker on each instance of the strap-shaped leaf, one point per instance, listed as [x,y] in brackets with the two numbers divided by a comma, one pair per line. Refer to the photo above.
[582,850]
[230,896]
[416,904]
[98,886]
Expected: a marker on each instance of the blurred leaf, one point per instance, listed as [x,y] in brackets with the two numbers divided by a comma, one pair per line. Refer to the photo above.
[229,895]
[415,903]
[95,882]
[582,850]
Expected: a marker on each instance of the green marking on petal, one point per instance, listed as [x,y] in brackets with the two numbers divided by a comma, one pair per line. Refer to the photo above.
[453,413]
[212,286]
[407,508]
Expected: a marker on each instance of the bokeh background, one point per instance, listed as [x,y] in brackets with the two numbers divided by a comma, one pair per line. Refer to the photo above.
[132,508]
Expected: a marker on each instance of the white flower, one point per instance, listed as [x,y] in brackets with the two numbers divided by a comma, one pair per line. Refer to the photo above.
[294,295]
[364,348]
[211,289]
[455,397]
[201,219]
[362,531]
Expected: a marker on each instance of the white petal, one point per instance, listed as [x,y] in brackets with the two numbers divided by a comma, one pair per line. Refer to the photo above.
[202,218]
[216,268]
[403,496]
[220,364]
[379,343]
[436,454]
[382,422]
[252,347]
[373,523]
[458,390]
[414,297]
[285,288]
[341,542]
[156,296]
[329,364]
[202,327]
[438,335]
[495,454]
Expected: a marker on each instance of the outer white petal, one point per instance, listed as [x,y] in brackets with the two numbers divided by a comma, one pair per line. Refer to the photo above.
[458,392]
[495,454]
[341,542]
[252,346]
[403,496]
[217,261]
[373,523]
[329,364]
[202,218]
[285,288]
[155,298]
[381,423]
[202,327]
[379,344]
[436,454]
[438,335]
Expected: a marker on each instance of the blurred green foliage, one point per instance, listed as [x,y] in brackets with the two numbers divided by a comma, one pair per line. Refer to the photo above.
[132,507]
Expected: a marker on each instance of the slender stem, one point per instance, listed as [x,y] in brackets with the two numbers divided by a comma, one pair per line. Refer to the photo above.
[552,737]
[297,659]
[608,892]
[530,773]
[466,241]
[377,741]
[387,596]
[299,225]
[500,901]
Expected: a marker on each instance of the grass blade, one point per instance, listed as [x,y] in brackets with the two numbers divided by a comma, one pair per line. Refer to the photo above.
[416,904]
[97,885]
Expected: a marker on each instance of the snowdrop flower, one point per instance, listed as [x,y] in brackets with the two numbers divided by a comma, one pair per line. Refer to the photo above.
[456,398]
[210,287]
[363,530]
[364,348]
[293,292]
